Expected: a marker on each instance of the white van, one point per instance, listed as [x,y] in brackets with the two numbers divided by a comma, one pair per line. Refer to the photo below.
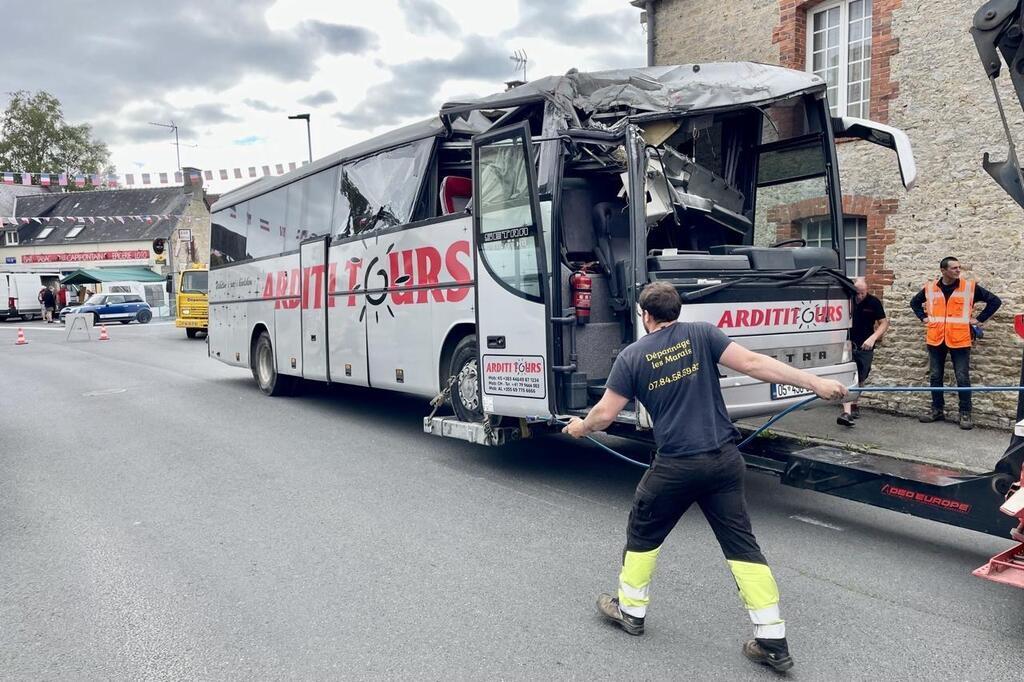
[19,295]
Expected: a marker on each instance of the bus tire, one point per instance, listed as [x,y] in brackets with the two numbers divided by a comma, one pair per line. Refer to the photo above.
[264,371]
[191,332]
[465,396]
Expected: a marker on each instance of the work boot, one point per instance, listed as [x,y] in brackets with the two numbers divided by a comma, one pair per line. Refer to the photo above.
[934,416]
[965,421]
[773,653]
[845,420]
[609,608]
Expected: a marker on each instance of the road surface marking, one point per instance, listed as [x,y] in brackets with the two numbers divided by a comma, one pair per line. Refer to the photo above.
[815,522]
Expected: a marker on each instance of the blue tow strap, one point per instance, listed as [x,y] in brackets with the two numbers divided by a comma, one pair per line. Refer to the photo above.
[810,399]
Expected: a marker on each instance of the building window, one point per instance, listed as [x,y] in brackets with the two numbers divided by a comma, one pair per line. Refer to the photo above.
[11,238]
[74,231]
[44,233]
[839,50]
[818,232]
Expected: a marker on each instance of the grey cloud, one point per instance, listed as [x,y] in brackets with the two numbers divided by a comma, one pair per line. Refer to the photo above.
[562,21]
[413,85]
[135,127]
[260,105]
[129,51]
[319,98]
[423,16]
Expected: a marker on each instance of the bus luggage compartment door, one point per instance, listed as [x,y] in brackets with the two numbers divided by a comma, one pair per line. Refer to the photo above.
[513,327]
[313,266]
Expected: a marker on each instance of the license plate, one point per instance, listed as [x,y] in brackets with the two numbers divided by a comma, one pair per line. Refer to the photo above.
[784,391]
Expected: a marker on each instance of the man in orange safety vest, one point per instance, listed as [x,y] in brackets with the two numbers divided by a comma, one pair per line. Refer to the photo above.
[945,306]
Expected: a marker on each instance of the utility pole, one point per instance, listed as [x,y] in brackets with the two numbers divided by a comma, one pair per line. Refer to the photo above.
[309,139]
[177,147]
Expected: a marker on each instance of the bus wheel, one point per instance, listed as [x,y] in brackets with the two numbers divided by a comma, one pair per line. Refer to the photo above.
[191,332]
[465,397]
[263,371]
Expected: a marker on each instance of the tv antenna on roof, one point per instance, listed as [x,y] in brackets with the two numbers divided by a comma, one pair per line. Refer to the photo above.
[520,60]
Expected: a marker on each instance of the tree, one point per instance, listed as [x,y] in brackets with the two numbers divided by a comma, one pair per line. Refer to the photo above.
[34,137]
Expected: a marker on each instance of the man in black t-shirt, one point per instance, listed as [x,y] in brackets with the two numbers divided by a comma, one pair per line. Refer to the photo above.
[672,371]
[869,326]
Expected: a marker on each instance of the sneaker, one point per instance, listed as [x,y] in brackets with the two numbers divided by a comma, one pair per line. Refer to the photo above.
[933,416]
[845,420]
[966,423]
[773,653]
[609,608]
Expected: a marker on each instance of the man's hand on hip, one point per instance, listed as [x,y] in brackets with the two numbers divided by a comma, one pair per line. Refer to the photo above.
[828,389]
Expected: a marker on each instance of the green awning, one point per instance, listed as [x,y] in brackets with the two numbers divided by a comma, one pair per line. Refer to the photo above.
[98,275]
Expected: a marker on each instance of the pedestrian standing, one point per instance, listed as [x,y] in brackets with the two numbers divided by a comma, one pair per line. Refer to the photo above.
[945,306]
[672,372]
[49,304]
[869,326]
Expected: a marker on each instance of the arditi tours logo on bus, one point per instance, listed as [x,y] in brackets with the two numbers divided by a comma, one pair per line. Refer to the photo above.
[806,315]
[392,278]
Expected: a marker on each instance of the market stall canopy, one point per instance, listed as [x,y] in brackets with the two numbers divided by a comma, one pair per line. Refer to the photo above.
[99,275]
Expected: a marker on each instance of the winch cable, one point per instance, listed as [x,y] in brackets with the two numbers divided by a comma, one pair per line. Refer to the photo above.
[810,399]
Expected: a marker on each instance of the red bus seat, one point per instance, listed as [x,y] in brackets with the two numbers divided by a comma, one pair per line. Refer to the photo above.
[455,194]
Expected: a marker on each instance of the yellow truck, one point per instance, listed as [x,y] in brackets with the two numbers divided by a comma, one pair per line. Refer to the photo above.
[192,300]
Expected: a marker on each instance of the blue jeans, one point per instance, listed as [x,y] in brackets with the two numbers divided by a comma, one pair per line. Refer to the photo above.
[961,358]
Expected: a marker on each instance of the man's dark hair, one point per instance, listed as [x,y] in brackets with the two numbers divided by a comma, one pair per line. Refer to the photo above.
[661,301]
[944,263]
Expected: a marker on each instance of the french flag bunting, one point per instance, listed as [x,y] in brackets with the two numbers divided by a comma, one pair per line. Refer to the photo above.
[129,179]
[62,179]
[223,174]
[163,178]
[92,221]
[97,181]
[111,181]
[79,180]
[26,178]
[145,178]
[25,221]
[8,178]
[44,179]
[264,225]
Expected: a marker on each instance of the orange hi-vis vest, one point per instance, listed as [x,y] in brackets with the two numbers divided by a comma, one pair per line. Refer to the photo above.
[949,321]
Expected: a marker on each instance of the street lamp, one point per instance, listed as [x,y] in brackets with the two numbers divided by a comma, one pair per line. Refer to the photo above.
[309,140]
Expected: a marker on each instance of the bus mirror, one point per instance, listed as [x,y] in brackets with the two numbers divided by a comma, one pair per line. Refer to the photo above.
[884,136]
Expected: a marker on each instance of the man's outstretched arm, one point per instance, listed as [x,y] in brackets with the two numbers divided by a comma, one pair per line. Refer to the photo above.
[762,367]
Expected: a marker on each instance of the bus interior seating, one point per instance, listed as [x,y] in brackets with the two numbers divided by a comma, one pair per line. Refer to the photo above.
[456,193]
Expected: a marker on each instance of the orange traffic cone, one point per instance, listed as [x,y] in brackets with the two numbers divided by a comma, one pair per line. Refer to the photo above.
[21,338]
[103,333]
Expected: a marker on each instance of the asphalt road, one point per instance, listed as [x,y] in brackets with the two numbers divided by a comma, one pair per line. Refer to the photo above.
[160,518]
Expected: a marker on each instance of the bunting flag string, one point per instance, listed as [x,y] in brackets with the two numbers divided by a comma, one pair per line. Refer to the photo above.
[122,219]
[139,179]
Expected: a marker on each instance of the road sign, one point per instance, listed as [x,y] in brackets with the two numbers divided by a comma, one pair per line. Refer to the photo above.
[184,235]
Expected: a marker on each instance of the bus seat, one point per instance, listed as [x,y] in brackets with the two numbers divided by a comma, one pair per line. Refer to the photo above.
[456,193]
[577,220]
[611,225]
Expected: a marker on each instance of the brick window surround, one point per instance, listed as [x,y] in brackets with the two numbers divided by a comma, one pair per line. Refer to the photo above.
[788,219]
[791,37]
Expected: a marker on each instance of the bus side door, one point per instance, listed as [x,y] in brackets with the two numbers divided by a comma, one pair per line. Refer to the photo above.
[314,303]
[513,325]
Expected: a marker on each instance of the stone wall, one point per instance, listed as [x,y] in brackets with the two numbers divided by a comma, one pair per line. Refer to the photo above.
[928,81]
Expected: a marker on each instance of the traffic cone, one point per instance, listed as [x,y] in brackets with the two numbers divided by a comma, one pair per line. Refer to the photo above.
[21,338]
[103,333]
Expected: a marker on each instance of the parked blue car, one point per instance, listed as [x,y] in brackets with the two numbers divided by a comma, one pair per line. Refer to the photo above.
[110,307]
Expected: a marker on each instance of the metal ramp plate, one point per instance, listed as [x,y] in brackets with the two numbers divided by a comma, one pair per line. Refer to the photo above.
[883,466]
[1006,568]
[473,432]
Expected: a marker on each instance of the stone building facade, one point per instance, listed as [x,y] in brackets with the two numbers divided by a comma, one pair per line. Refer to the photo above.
[924,77]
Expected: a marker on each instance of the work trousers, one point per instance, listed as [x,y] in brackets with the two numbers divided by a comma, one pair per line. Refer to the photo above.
[714,481]
[961,358]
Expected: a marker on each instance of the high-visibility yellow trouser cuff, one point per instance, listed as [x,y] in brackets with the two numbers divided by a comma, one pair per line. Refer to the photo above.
[760,595]
[635,581]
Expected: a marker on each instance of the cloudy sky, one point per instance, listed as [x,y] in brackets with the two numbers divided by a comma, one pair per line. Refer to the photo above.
[229,78]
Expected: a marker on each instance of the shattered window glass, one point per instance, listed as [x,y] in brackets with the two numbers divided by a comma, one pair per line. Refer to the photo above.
[379,191]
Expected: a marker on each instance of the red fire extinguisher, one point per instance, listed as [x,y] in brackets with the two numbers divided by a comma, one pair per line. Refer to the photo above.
[581,285]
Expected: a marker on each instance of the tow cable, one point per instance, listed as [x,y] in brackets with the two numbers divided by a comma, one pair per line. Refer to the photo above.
[807,401]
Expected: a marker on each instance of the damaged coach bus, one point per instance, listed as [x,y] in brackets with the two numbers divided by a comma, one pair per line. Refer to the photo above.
[498,249]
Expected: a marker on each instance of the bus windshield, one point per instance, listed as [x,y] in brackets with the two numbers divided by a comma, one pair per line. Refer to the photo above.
[194,282]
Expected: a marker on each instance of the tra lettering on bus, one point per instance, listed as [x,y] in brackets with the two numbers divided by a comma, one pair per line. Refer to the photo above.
[407,277]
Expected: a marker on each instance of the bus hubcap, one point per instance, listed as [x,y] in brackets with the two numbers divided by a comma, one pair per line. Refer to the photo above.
[264,365]
[469,386]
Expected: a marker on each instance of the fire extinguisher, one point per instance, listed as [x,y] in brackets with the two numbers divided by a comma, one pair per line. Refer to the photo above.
[581,285]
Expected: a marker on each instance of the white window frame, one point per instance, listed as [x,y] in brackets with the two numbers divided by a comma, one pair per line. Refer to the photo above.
[11,238]
[824,239]
[75,231]
[841,107]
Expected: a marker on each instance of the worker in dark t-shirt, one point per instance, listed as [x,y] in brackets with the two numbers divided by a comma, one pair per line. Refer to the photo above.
[672,372]
[869,326]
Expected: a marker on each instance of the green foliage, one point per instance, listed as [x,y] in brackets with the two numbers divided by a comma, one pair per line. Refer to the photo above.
[35,137]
